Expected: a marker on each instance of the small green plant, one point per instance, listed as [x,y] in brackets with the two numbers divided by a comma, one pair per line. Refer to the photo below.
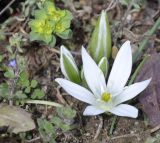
[49,22]
[62,122]
[17,86]
[46,130]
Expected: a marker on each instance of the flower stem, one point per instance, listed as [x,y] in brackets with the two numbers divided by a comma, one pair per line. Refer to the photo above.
[145,41]
[138,69]
[112,125]
[44,103]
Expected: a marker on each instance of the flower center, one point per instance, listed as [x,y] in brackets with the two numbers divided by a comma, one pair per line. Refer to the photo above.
[106,96]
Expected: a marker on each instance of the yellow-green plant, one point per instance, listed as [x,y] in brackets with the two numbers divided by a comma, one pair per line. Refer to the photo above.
[50,22]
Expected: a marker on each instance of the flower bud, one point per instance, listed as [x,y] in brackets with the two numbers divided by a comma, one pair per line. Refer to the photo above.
[100,42]
[68,66]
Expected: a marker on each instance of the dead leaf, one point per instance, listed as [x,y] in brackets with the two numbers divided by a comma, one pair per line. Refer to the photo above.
[114,52]
[17,119]
[150,97]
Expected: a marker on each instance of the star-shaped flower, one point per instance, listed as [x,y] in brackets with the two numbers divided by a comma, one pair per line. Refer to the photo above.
[108,97]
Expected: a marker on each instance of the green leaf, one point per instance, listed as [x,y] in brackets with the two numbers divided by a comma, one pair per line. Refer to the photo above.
[69,112]
[47,130]
[9,73]
[53,42]
[104,66]
[66,112]
[23,75]
[27,90]
[40,14]
[67,34]
[34,36]
[4,90]
[1,58]
[49,7]
[68,15]
[23,79]
[38,94]
[100,42]
[20,95]
[17,119]
[57,121]
[65,127]
[48,127]
[47,38]
[34,83]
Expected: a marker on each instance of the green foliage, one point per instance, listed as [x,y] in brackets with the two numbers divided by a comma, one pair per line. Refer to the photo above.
[21,85]
[16,41]
[28,86]
[50,22]
[9,73]
[1,58]
[4,90]
[66,112]
[136,4]
[38,94]
[47,129]
[60,124]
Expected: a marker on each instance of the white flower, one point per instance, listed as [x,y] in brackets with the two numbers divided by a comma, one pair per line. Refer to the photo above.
[107,97]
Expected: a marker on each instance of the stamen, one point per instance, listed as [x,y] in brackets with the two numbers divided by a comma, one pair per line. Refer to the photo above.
[106,96]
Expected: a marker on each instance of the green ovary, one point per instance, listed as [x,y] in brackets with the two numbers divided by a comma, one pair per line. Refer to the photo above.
[106,96]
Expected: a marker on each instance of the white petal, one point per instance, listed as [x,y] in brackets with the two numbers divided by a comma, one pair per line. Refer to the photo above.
[121,69]
[125,111]
[131,91]
[93,75]
[77,91]
[92,111]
